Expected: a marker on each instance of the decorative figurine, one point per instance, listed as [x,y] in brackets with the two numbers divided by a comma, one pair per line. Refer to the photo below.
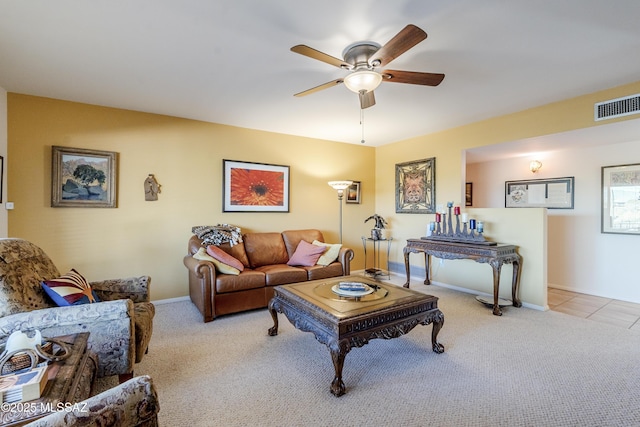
[380,224]
[151,188]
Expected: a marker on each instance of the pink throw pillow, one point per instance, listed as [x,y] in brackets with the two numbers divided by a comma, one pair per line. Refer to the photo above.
[224,257]
[306,254]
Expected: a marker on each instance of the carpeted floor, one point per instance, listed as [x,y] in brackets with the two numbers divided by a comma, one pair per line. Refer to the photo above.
[526,368]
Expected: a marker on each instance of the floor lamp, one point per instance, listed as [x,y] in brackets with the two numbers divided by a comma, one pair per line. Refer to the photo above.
[340,186]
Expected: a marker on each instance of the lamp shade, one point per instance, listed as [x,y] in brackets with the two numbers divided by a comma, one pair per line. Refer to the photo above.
[340,185]
[363,80]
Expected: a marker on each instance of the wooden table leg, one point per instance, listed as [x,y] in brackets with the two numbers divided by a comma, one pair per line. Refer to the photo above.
[273,331]
[515,282]
[338,351]
[427,269]
[337,385]
[496,266]
[437,325]
[407,269]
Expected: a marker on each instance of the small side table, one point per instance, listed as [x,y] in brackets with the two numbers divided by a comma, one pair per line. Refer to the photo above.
[376,271]
[73,381]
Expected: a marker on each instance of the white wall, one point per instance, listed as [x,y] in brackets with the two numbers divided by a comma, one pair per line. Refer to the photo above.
[3,152]
[580,257]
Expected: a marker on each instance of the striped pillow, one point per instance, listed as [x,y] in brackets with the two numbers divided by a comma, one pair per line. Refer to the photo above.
[70,289]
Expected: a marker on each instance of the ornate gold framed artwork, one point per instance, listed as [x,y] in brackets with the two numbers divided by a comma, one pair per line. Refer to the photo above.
[416,186]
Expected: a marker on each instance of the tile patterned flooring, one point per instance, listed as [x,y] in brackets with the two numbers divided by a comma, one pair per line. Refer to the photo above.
[611,311]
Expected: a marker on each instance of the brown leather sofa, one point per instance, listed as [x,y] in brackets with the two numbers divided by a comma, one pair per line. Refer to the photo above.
[264,256]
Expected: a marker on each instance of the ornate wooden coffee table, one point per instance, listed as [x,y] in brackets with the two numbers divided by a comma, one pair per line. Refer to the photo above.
[342,323]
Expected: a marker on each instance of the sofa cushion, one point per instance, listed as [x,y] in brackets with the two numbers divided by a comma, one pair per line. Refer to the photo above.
[306,254]
[265,249]
[282,274]
[247,279]
[70,289]
[292,238]
[224,257]
[323,272]
[330,254]
[236,251]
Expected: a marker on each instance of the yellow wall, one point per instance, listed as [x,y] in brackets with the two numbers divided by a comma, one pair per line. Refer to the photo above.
[186,157]
[141,237]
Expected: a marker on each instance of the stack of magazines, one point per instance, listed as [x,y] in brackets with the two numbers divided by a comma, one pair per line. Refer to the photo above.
[23,386]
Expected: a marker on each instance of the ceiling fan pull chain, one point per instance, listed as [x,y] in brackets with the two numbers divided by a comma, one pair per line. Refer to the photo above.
[362,124]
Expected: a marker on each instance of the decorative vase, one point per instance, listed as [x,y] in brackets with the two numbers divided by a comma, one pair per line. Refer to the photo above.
[376,234]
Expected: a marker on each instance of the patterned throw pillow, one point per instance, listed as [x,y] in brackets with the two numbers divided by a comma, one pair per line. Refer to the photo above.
[70,289]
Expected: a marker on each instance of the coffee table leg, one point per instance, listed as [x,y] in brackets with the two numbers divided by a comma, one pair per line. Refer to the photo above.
[437,325]
[273,331]
[337,385]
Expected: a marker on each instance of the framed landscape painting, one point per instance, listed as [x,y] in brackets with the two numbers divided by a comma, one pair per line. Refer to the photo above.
[416,186]
[83,178]
[254,187]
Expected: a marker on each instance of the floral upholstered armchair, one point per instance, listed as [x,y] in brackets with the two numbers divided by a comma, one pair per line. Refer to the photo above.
[133,403]
[120,326]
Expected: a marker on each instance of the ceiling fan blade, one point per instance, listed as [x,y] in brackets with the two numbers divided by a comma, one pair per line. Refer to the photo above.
[412,77]
[367,99]
[320,56]
[319,88]
[407,38]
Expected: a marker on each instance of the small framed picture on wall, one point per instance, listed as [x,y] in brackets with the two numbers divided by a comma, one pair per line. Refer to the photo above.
[468,194]
[353,193]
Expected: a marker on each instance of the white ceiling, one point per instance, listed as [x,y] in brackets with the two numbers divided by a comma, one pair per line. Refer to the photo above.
[229,61]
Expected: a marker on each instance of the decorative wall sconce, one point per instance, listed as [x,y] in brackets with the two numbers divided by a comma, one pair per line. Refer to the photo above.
[535,166]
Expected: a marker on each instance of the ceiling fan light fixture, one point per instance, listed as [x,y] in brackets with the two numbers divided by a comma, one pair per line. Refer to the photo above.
[363,80]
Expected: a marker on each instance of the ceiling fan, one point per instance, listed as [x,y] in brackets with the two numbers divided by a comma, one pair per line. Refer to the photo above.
[363,58]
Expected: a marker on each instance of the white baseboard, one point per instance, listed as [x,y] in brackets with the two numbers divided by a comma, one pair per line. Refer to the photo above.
[457,288]
[170,300]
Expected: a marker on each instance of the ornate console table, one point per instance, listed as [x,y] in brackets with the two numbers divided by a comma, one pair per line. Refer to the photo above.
[495,255]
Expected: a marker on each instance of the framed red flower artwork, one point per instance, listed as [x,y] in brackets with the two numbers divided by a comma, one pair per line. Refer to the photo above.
[255,187]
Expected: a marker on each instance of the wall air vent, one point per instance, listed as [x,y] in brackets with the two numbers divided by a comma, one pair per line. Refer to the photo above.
[618,107]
